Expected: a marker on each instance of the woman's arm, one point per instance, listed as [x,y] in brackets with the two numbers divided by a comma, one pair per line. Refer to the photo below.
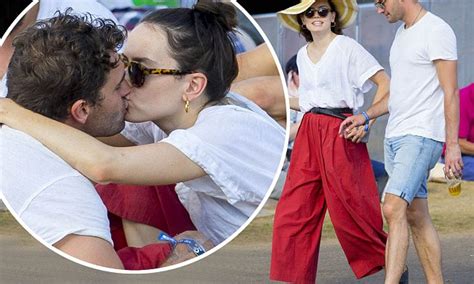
[153,164]
[118,140]
[379,105]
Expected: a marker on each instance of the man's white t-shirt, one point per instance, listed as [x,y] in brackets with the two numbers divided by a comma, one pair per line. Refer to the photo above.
[416,103]
[48,8]
[49,196]
[339,79]
[239,148]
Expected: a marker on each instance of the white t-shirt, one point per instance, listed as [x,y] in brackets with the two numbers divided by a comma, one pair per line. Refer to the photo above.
[49,196]
[416,103]
[339,79]
[48,8]
[239,149]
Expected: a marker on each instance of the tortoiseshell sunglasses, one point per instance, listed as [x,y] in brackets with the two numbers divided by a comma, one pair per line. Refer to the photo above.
[137,72]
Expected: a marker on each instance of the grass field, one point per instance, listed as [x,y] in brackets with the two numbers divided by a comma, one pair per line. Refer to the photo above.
[449,214]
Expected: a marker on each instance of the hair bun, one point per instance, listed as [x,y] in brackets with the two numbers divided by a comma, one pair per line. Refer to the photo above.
[225,14]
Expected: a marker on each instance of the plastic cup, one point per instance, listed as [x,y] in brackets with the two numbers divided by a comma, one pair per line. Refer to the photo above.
[454,187]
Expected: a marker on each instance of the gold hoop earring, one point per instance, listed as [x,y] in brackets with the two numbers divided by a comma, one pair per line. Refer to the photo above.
[186,106]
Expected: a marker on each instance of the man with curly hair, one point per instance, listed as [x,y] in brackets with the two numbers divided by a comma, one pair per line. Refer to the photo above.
[67,68]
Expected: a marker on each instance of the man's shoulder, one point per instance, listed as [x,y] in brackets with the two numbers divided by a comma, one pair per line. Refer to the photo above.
[21,152]
[15,142]
[436,23]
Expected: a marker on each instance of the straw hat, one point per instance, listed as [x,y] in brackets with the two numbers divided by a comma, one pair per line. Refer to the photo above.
[347,10]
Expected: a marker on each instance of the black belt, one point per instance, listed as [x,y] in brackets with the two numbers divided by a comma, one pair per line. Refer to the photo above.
[335,112]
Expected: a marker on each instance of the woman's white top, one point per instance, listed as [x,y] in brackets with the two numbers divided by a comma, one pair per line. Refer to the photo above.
[239,147]
[339,79]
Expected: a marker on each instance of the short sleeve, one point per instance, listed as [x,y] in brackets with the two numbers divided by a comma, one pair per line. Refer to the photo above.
[74,207]
[142,133]
[442,43]
[362,67]
[231,153]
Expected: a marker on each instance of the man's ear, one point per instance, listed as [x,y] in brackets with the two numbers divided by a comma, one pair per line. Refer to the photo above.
[80,111]
[196,84]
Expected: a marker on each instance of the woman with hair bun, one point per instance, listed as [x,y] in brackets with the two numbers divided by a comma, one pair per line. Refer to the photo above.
[220,149]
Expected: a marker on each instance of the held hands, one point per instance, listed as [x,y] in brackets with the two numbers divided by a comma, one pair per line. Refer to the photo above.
[181,252]
[453,161]
[352,128]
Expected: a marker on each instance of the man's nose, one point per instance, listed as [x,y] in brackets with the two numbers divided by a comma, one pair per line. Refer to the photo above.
[126,88]
[380,10]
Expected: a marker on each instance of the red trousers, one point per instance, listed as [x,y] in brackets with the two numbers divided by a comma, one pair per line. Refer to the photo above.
[327,172]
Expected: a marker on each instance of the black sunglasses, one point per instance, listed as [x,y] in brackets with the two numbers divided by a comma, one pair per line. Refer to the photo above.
[137,72]
[322,12]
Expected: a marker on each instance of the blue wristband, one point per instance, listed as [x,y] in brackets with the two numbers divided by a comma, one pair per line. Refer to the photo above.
[165,237]
[367,118]
[366,127]
[196,248]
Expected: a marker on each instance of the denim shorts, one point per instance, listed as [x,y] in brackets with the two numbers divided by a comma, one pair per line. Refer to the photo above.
[408,160]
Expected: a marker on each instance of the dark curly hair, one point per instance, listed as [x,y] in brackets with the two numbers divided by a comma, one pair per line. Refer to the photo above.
[200,41]
[61,60]
[307,34]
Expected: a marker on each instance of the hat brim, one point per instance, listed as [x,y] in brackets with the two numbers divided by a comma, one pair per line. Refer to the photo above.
[346,9]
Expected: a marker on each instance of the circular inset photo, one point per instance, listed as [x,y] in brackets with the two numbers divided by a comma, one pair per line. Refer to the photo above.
[137,137]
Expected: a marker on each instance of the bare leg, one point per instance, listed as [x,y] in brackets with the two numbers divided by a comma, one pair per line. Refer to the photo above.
[395,212]
[139,235]
[426,240]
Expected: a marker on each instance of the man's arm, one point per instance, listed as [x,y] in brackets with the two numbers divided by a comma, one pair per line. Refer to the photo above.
[90,249]
[255,63]
[447,75]
[266,92]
